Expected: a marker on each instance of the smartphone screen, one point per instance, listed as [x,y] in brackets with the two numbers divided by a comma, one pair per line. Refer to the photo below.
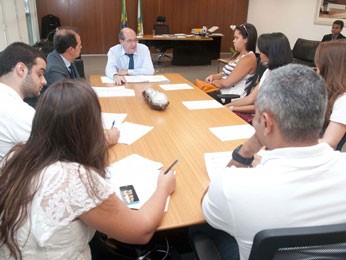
[129,195]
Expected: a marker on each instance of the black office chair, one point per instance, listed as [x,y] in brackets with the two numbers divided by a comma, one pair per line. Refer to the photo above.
[258,75]
[162,46]
[303,243]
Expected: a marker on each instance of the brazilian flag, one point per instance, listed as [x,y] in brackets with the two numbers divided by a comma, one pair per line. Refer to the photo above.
[139,19]
[123,22]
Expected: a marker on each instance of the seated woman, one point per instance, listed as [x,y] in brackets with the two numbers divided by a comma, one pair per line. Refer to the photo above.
[238,73]
[330,59]
[53,189]
[275,51]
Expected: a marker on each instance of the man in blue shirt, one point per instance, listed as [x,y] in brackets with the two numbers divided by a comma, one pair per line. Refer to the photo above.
[128,58]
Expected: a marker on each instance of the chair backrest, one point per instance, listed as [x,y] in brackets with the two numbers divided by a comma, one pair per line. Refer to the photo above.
[303,243]
[161,28]
[304,51]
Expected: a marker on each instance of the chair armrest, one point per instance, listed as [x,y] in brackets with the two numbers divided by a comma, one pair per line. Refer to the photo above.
[231,96]
[204,247]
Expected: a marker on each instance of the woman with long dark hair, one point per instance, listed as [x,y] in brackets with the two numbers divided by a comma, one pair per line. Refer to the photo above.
[275,51]
[53,189]
[330,60]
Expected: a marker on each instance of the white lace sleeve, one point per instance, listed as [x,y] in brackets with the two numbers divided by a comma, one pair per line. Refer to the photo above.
[65,192]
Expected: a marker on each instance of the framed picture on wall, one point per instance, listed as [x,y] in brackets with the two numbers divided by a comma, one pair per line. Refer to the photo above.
[328,11]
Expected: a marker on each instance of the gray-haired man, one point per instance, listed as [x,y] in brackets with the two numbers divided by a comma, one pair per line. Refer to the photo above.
[299,181]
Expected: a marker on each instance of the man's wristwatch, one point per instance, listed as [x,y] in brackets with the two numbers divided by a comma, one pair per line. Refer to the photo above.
[240,159]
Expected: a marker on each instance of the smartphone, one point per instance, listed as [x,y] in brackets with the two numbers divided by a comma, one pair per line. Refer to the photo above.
[129,195]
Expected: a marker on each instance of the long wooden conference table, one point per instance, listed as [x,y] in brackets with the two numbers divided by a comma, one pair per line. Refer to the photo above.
[178,133]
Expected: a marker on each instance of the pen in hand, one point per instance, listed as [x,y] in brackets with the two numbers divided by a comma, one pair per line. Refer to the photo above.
[113,123]
[171,166]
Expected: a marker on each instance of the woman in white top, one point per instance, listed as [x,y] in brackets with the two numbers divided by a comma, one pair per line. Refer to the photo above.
[53,189]
[275,51]
[238,73]
[330,59]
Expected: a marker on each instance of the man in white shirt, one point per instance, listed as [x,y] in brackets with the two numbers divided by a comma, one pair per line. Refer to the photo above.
[21,76]
[298,182]
[128,58]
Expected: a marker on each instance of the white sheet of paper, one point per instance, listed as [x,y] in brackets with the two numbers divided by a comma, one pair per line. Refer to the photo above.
[138,171]
[109,118]
[105,79]
[145,78]
[175,86]
[120,91]
[234,132]
[216,162]
[202,104]
[131,132]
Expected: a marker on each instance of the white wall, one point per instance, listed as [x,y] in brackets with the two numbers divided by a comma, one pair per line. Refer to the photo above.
[294,18]
[13,24]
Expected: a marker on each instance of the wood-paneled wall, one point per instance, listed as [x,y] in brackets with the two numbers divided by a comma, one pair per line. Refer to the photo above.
[99,20]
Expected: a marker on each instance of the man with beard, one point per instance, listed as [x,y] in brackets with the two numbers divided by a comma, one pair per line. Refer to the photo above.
[22,70]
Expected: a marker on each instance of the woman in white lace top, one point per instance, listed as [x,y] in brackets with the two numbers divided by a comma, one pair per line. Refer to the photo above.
[53,189]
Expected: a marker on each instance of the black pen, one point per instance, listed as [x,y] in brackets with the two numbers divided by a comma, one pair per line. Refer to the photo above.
[171,166]
[113,123]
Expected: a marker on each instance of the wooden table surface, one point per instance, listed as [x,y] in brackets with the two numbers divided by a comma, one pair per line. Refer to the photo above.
[178,133]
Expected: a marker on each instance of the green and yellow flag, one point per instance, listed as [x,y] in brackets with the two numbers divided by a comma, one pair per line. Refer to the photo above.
[123,22]
[139,19]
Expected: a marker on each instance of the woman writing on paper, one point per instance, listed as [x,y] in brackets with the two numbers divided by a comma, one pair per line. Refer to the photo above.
[238,73]
[53,189]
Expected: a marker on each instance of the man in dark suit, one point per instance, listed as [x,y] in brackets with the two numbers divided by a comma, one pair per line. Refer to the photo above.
[60,62]
[67,47]
[336,31]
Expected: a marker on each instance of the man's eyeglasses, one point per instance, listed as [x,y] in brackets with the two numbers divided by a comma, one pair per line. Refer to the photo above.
[131,40]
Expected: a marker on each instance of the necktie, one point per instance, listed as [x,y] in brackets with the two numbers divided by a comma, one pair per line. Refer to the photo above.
[131,62]
[72,72]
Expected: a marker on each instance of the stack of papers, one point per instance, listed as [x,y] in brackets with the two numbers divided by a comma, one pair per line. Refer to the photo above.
[139,172]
